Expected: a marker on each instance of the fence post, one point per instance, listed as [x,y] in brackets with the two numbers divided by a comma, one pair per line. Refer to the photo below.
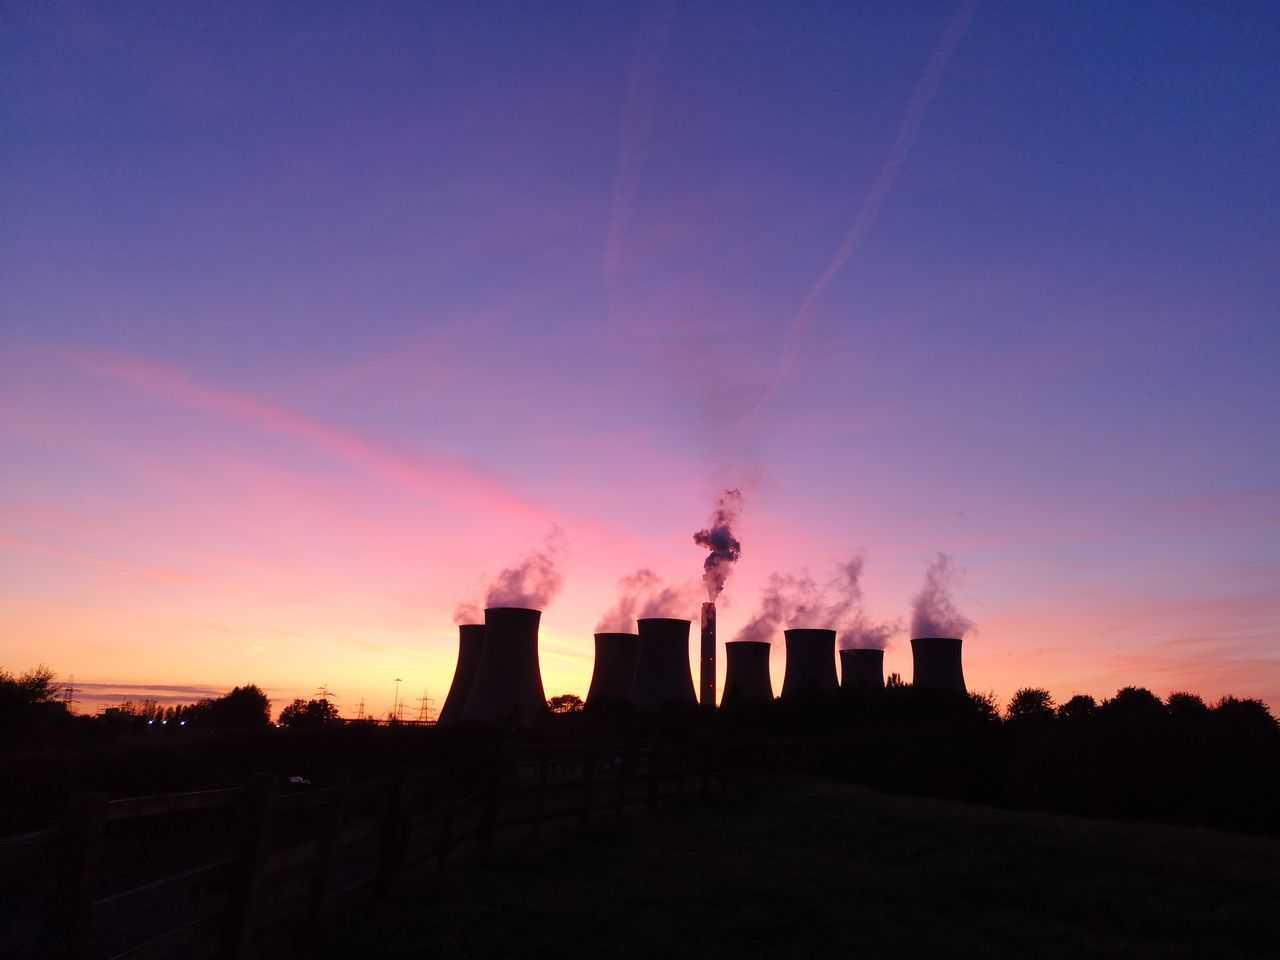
[329,845]
[653,777]
[624,752]
[391,853]
[82,833]
[588,784]
[489,817]
[539,797]
[259,809]
[450,791]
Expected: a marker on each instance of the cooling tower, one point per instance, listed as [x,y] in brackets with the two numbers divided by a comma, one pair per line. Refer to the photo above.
[811,661]
[508,684]
[746,674]
[662,666]
[861,669]
[470,645]
[615,667]
[936,663]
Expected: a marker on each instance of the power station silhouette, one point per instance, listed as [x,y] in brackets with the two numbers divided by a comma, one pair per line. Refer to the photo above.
[498,678]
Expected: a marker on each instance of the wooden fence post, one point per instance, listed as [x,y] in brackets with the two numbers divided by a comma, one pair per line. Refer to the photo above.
[329,845]
[588,785]
[259,809]
[489,816]
[82,833]
[653,777]
[450,791]
[391,852]
[539,796]
[624,753]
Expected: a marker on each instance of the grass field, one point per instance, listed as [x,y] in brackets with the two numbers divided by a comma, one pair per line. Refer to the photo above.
[822,870]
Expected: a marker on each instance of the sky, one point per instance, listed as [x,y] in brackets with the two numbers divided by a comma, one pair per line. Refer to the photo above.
[314,318]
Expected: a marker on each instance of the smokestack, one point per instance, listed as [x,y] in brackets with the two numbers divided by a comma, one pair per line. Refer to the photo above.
[470,645]
[746,674]
[707,677]
[861,669]
[811,662]
[508,683]
[615,667]
[662,666]
[936,663]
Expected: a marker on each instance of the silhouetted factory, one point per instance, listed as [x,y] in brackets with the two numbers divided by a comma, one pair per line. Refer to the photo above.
[498,679]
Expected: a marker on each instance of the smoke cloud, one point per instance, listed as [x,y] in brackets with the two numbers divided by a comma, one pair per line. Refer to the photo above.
[798,601]
[719,539]
[468,613]
[644,594]
[531,583]
[933,610]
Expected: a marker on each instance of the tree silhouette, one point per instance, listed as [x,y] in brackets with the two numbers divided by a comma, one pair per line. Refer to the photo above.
[1079,708]
[308,713]
[565,703]
[244,707]
[1030,704]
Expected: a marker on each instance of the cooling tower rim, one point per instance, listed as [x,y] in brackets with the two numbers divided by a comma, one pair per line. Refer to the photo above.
[662,620]
[956,639]
[462,626]
[747,643]
[791,630]
[614,633]
[869,649]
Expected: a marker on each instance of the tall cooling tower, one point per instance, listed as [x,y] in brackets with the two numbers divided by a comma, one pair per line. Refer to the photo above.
[615,667]
[470,645]
[662,666]
[746,674]
[811,662]
[936,663]
[508,684]
[861,669]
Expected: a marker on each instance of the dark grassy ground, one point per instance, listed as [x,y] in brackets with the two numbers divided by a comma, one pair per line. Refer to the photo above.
[821,870]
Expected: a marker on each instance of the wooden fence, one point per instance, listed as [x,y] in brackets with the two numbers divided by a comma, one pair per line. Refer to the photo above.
[209,873]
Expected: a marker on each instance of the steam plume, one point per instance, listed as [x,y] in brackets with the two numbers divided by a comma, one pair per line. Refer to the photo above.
[719,539]
[468,613]
[933,611]
[531,583]
[798,601]
[644,594]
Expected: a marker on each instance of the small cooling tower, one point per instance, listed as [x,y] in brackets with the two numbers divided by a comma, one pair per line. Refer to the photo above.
[811,662]
[470,646]
[746,675]
[861,669]
[662,665]
[615,667]
[508,684]
[936,663]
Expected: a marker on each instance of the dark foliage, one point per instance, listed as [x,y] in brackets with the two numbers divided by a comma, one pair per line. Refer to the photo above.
[308,713]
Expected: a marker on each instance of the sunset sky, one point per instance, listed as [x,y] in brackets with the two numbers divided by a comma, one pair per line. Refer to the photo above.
[315,317]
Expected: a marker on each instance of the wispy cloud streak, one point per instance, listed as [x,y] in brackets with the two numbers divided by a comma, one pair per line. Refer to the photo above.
[907,130]
[438,478]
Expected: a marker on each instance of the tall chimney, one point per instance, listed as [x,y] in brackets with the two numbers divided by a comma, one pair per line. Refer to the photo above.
[811,662]
[861,669]
[662,666]
[508,684]
[746,675]
[615,667]
[936,663]
[707,677]
[470,645]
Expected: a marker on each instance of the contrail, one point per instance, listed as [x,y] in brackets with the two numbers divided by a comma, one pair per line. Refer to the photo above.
[637,117]
[907,131]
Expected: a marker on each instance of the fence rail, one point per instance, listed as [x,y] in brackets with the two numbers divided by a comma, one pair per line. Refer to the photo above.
[228,864]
